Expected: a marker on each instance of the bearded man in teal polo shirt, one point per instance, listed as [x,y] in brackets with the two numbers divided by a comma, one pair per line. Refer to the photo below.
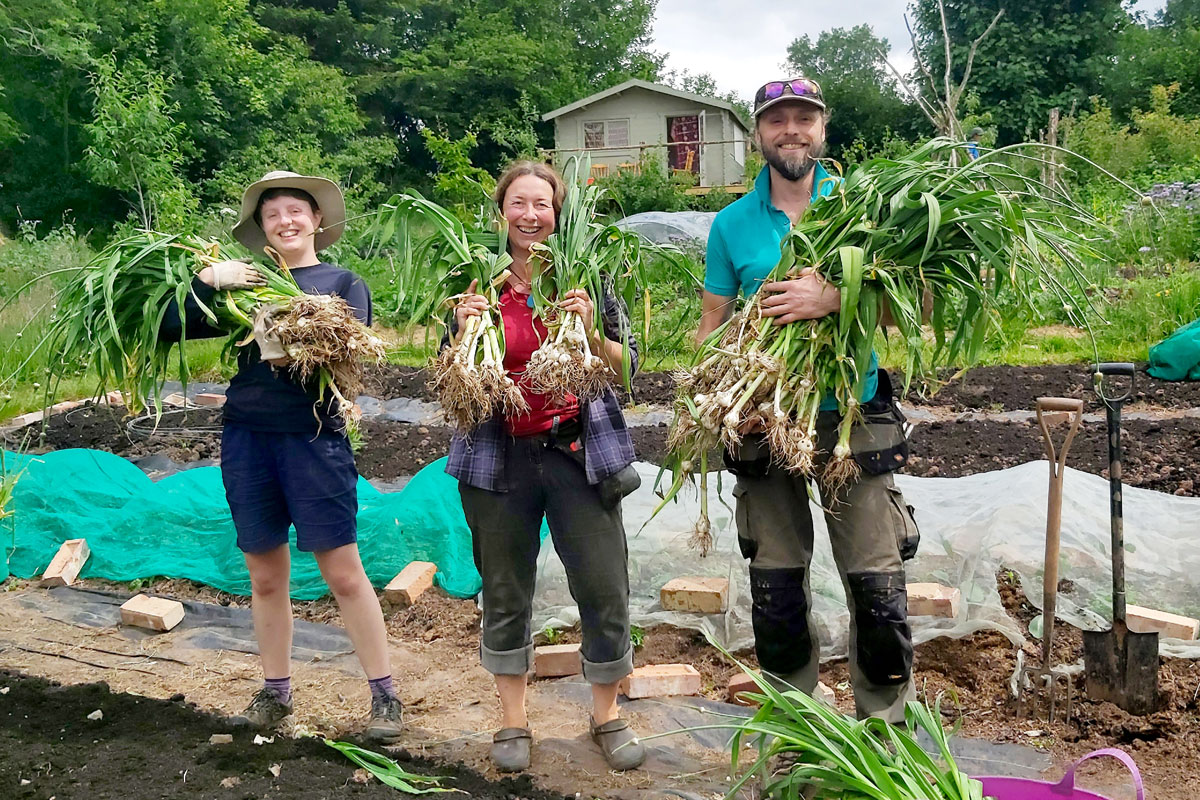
[871,528]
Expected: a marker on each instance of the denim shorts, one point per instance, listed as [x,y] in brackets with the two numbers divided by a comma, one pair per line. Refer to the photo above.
[276,480]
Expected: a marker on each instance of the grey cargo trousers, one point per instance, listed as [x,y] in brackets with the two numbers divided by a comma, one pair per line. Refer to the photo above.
[870,526]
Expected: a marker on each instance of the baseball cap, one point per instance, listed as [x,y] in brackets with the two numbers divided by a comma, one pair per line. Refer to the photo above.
[774,92]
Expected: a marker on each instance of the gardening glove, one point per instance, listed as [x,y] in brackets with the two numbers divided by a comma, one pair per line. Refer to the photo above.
[235,275]
[269,345]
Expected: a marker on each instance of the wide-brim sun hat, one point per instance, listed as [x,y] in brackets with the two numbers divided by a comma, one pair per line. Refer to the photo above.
[329,201]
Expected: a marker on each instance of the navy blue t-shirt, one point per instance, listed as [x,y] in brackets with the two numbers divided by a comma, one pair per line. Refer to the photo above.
[262,397]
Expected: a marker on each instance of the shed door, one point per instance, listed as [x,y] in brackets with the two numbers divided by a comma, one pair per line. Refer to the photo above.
[683,142]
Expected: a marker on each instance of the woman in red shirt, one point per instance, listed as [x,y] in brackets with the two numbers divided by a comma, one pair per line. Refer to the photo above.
[543,476]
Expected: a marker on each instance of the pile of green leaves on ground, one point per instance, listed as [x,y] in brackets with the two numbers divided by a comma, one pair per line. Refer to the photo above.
[805,749]
[388,772]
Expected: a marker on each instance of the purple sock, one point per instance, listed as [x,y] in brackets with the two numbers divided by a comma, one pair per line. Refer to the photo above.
[282,687]
[381,687]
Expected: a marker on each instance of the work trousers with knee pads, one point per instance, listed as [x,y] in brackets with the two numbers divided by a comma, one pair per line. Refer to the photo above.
[872,531]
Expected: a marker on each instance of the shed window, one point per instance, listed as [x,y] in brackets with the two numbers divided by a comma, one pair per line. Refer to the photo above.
[606,133]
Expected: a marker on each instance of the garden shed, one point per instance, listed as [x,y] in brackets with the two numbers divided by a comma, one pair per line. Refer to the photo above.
[686,132]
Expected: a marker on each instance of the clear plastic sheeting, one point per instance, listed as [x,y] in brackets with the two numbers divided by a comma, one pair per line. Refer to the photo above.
[671,227]
[971,527]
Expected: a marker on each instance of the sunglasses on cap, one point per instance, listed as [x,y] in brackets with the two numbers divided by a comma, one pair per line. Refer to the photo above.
[804,88]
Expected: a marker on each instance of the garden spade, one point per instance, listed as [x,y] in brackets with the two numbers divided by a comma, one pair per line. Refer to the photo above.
[1047,674]
[1119,666]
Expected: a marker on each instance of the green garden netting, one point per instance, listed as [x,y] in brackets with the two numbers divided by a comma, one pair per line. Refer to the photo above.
[1177,358]
[180,527]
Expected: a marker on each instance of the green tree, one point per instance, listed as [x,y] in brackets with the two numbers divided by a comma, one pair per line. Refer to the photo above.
[45,61]
[863,99]
[242,99]
[705,85]
[1041,54]
[458,183]
[1162,51]
[476,66]
[134,143]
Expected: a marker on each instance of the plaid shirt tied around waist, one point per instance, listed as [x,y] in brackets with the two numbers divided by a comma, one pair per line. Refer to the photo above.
[477,458]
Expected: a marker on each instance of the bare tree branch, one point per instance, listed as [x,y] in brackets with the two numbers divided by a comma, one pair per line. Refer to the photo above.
[946,41]
[912,94]
[921,64]
[962,87]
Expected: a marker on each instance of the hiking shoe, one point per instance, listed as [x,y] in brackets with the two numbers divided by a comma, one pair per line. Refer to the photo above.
[619,744]
[265,710]
[510,749]
[387,720]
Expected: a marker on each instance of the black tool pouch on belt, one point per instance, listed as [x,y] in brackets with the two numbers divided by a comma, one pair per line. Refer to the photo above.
[878,442]
[615,487]
[619,485]
[750,459]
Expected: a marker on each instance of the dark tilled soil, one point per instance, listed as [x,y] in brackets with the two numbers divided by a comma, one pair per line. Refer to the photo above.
[1159,455]
[391,380]
[387,381]
[1000,388]
[183,437]
[145,749]
[392,449]
[1007,388]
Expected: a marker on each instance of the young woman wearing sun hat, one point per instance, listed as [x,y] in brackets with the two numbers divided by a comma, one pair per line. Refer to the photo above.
[285,461]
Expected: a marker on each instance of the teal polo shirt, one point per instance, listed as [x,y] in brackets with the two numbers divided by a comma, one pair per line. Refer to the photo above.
[744,246]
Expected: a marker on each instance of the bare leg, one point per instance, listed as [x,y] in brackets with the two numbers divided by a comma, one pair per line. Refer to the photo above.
[511,689]
[271,607]
[342,569]
[604,702]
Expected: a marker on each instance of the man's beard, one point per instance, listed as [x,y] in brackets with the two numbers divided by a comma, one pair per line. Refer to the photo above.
[792,170]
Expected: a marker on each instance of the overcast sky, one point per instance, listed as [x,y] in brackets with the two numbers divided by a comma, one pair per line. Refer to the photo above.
[743,43]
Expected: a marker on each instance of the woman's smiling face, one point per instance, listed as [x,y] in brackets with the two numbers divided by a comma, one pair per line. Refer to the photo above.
[529,211]
[289,223]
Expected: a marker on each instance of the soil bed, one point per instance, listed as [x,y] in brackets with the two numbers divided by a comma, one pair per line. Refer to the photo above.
[1159,454]
[144,748]
[1006,388]
[46,738]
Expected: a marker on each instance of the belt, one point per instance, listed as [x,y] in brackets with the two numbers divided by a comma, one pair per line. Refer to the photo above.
[560,431]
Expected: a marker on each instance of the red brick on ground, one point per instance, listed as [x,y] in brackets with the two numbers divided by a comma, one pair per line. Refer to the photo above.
[741,682]
[933,600]
[210,399]
[661,680]
[1171,626]
[556,660]
[155,613]
[67,562]
[707,595]
[411,583]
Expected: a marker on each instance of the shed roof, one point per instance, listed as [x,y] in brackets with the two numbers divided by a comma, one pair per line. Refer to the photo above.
[636,83]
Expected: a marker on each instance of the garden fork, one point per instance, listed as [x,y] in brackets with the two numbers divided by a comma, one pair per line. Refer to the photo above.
[1047,674]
